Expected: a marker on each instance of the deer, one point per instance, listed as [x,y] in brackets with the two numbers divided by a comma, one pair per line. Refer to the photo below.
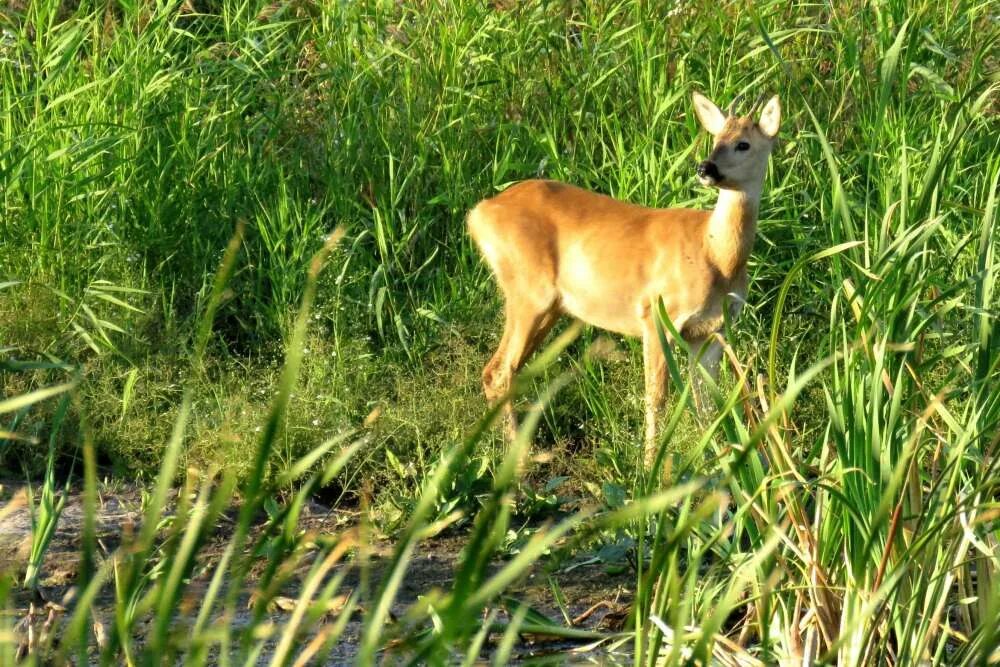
[556,249]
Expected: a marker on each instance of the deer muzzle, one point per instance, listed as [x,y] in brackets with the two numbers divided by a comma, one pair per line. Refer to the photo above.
[708,173]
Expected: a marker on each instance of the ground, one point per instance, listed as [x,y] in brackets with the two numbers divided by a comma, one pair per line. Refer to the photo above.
[595,598]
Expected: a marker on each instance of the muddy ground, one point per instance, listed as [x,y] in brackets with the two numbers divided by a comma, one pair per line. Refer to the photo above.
[594,598]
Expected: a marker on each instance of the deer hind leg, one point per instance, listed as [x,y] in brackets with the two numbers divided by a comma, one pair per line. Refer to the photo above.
[524,330]
[491,388]
[525,269]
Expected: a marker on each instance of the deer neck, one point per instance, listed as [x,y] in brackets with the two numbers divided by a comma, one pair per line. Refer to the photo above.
[731,229]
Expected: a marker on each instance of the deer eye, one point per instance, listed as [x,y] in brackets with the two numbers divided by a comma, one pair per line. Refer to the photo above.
[743,146]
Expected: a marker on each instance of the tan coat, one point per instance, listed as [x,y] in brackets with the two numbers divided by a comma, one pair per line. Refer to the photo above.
[558,249]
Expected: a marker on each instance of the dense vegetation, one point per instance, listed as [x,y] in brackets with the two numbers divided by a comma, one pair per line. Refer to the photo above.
[169,169]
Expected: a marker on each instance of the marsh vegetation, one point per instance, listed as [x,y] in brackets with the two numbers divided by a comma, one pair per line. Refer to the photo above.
[235,281]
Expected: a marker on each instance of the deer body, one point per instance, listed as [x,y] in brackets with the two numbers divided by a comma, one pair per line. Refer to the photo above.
[557,249]
[606,262]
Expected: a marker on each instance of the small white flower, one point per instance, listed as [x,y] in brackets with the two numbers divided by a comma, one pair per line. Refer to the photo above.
[257,430]
[315,422]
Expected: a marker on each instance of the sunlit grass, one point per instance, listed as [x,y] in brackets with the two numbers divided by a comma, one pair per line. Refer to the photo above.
[168,171]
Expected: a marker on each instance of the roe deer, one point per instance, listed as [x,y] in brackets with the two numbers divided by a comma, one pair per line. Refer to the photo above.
[557,249]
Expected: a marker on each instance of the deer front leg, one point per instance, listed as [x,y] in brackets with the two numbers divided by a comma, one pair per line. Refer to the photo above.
[655,368]
[705,354]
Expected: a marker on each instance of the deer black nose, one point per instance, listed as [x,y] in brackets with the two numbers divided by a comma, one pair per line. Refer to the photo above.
[707,169]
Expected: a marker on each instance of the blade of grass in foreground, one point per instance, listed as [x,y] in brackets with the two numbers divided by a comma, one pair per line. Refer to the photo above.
[252,498]
[45,517]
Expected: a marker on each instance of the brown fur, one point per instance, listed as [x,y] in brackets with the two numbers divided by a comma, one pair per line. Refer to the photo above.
[558,249]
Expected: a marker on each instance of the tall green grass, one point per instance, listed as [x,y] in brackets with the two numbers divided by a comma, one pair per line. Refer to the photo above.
[841,505]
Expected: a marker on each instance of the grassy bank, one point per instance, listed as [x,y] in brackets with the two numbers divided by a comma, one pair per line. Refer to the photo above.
[843,501]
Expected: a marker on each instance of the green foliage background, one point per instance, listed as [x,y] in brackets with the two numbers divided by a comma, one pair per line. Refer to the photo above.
[136,135]
[841,503]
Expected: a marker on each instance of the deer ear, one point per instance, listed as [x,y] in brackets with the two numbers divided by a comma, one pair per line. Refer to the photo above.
[770,118]
[710,116]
